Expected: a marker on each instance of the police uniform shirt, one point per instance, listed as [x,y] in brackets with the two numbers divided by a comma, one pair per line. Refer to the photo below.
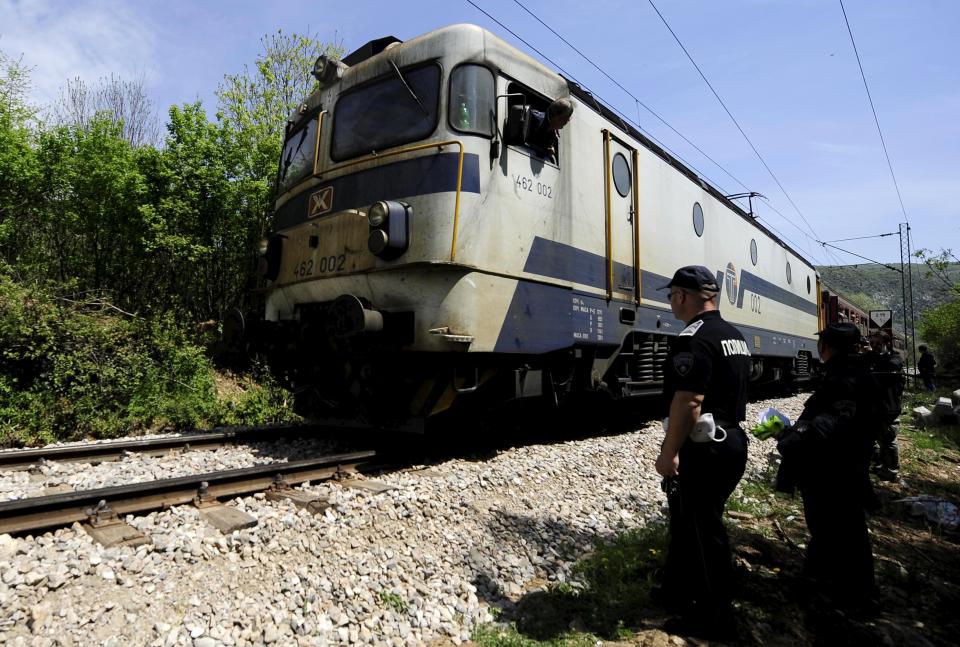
[710,357]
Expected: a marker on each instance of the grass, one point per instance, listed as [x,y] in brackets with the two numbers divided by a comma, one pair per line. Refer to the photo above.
[752,497]
[393,601]
[927,445]
[507,636]
[611,591]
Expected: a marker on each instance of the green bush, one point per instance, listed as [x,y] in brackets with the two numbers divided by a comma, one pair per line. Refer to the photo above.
[72,369]
[940,327]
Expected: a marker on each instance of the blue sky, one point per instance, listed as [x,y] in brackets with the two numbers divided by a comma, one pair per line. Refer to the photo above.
[785,69]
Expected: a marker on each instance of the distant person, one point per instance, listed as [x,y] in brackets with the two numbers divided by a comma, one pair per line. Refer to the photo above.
[826,454]
[545,126]
[925,367]
[705,391]
[887,370]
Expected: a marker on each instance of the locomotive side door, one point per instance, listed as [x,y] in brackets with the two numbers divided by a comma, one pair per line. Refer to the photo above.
[621,209]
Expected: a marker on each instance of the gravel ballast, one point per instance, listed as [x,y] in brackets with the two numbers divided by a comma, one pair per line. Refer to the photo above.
[427,560]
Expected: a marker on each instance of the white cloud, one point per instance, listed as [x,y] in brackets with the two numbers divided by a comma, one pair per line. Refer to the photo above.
[61,40]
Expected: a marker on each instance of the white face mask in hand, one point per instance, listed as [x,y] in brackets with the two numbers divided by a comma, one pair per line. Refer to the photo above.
[706,430]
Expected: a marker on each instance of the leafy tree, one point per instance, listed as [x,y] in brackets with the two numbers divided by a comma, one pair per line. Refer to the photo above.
[197,230]
[256,103]
[19,171]
[89,230]
[940,326]
[125,100]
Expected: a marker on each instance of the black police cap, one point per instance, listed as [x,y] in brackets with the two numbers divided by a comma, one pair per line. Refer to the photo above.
[693,277]
[840,335]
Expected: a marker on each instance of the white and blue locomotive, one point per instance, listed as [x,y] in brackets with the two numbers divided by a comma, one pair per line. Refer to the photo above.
[426,258]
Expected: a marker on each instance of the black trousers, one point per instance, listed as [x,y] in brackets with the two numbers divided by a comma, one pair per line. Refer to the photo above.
[699,569]
[839,554]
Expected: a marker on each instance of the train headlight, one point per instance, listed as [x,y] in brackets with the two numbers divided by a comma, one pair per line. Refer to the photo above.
[327,70]
[389,228]
[378,213]
[378,240]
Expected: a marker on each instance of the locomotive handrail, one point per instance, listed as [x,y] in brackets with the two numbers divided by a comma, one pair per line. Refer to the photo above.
[637,282]
[411,149]
[607,207]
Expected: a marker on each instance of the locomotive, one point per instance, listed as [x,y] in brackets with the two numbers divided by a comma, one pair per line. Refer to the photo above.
[427,257]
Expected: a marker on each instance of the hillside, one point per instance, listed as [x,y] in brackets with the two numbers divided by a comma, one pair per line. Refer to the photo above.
[876,287]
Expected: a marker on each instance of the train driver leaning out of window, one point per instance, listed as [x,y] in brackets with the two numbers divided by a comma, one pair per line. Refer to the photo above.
[544,128]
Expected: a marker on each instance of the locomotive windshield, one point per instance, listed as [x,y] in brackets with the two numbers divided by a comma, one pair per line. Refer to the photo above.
[296,162]
[399,108]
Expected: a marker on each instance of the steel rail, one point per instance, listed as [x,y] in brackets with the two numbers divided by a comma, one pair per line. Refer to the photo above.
[58,510]
[20,459]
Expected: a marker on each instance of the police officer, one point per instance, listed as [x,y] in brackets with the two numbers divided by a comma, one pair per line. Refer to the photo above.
[706,372]
[925,367]
[887,369]
[827,455]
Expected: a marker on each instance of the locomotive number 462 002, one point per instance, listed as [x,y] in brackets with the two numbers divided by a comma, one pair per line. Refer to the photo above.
[322,265]
[527,184]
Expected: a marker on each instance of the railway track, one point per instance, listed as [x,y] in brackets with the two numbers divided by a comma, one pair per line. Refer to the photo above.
[102,508]
[21,459]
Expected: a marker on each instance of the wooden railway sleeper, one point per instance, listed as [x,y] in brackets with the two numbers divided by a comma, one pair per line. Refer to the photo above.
[282,490]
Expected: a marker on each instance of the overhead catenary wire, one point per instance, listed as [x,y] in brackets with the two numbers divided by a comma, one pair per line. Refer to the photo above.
[622,115]
[873,108]
[597,96]
[735,122]
[632,96]
[843,240]
[639,103]
[847,251]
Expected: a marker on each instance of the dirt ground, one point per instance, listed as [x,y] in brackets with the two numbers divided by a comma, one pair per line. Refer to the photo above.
[917,567]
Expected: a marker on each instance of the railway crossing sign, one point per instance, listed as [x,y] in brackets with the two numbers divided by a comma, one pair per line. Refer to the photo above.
[881,321]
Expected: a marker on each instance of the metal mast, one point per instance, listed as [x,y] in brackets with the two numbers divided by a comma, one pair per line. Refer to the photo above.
[906,285]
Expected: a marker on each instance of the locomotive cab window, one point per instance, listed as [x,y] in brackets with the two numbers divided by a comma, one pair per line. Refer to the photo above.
[472,96]
[299,152]
[397,108]
[527,127]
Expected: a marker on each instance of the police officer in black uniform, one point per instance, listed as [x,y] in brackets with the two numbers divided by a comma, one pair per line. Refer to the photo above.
[827,455]
[706,371]
[887,369]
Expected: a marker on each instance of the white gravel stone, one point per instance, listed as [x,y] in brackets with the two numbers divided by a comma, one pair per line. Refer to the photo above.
[422,562]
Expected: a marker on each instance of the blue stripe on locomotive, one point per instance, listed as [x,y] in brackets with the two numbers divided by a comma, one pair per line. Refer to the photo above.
[404,179]
[543,318]
[568,263]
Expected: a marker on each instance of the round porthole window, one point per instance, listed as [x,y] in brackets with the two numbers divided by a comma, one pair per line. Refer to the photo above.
[753,251]
[808,285]
[621,175]
[789,273]
[698,218]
